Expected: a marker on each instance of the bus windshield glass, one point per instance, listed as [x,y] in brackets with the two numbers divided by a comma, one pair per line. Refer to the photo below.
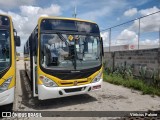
[70,51]
[4,49]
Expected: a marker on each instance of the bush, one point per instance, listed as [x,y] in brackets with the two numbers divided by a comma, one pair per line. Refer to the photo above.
[124,70]
[137,84]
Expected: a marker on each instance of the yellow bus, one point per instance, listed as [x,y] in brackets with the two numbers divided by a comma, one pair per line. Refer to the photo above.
[8,42]
[64,57]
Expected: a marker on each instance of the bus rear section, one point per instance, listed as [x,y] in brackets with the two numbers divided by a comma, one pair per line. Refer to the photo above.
[65,57]
[7,61]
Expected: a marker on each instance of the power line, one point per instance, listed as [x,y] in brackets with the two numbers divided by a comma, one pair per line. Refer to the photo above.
[129,21]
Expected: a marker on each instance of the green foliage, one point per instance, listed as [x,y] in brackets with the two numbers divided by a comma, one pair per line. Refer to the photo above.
[137,84]
[155,78]
[109,70]
[142,72]
[124,70]
[123,75]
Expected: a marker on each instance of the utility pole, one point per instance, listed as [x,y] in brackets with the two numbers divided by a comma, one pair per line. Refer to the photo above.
[159,36]
[110,40]
[139,27]
[75,9]
[159,56]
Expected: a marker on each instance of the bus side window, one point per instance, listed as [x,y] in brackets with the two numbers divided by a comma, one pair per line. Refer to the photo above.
[35,47]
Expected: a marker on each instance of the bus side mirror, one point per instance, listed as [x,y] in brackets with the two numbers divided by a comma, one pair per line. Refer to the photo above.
[17,41]
[102,49]
[17,38]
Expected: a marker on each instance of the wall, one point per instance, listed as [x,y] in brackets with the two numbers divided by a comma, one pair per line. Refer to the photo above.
[136,58]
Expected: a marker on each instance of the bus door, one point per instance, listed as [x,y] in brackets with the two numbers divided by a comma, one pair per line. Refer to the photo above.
[34,84]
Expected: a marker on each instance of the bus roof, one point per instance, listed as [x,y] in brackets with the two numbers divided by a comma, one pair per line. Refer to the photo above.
[6,15]
[9,19]
[63,18]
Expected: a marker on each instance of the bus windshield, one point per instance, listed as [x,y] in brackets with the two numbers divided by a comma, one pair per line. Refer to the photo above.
[4,49]
[70,52]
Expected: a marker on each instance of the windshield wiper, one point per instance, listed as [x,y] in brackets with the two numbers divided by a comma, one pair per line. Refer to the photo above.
[63,39]
[72,50]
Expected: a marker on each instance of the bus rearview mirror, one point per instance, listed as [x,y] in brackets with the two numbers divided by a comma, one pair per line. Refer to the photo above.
[17,41]
[102,49]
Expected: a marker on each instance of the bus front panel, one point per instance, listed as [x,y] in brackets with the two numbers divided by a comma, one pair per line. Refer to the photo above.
[7,61]
[69,59]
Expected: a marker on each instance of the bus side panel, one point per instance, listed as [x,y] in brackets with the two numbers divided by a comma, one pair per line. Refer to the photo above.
[30,62]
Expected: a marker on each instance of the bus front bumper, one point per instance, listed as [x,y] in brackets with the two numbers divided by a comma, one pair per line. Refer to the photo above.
[57,92]
[7,97]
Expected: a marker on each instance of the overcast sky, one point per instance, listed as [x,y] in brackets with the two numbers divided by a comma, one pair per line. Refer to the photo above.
[106,13]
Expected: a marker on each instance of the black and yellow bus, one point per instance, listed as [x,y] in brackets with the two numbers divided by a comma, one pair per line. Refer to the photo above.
[8,42]
[63,57]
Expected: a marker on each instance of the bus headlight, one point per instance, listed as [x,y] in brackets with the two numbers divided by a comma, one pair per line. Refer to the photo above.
[5,84]
[47,82]
[97,78]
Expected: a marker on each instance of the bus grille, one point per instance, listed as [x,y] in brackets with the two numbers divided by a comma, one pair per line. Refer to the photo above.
[74,89]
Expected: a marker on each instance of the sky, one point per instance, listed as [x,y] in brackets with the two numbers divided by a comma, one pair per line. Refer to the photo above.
[106,13]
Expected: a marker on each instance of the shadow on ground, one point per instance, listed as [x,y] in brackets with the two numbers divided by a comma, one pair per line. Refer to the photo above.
[29,101]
